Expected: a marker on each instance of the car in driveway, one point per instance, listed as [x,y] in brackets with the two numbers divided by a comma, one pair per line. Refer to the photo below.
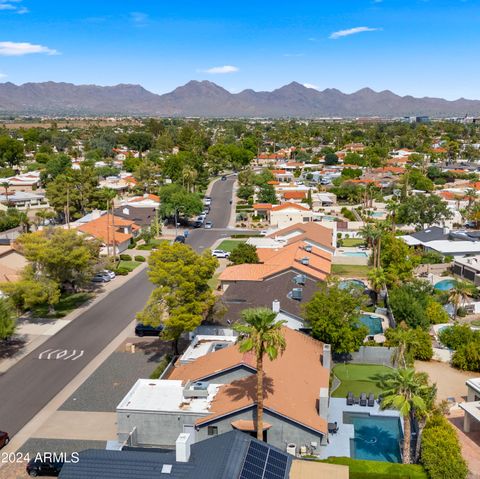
[220,253]
[4,439]
[147,330]
[101,278]
[207,201]
[208,225]
[197,224]
[179,239]
[109,273]
[44,467]
[224,178]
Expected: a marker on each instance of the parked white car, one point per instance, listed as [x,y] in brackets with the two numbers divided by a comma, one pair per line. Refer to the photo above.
[219,253]
[108,273]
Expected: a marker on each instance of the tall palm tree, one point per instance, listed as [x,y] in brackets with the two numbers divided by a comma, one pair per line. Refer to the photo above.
[6,186]
[189,175]
[392,208]
[458,295]
[377,279]
[404,390]
[405,341]
[472,195]
[261,335]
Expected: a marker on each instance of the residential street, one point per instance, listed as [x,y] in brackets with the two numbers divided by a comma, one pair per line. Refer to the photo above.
[29,385]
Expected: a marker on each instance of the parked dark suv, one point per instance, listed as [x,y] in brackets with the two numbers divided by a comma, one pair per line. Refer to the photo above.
[4,439]
[39,467]
[147,330]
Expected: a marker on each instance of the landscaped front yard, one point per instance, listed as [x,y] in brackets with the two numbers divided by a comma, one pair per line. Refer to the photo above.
[67,303]
[230,245]
[351,242]
[358,378]
[130,265]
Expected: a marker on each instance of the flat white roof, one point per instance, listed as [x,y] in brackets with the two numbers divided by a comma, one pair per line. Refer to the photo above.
[472,261]
[165,395]
[446,246]
[473,408]
[204,344]
[266,242]
[410,240]
[474,383]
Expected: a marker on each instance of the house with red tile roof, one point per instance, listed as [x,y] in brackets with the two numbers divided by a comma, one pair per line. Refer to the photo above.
[113,231]
[288,214]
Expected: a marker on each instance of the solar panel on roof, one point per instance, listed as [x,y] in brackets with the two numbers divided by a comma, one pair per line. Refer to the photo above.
[261,462]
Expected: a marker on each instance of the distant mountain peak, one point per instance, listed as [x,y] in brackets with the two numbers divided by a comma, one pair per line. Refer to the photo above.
[205,98]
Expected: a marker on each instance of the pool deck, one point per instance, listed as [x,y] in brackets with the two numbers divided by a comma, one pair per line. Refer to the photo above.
[339,443]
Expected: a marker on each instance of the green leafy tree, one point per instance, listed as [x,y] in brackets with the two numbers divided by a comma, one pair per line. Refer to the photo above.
[435,312]
[267,194]
[334,316]
[377,279]
[140,141]
[410,344]
[182,296]
[398,260]
[458,295]
[467,356]
[331,159]
[244,253]
[245,192]
[261,335]
[404,390]
[11,151]
[176,200]
[423,210]
[60,255]
[8,323]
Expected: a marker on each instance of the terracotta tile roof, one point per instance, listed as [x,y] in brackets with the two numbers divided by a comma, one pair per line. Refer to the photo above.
[449,195]
[273,182]
[306,231]
[274,261]
[280,172]
[439,150]
[294,195]
[102,229]
[395,161]
[262,206]
[294,380]
[390,169]
[287,205]
[147,197]
[248,425]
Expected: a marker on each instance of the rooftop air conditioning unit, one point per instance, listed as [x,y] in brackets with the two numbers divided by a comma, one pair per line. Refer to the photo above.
[200,386]
[297,293]
[305,261]
[300,279]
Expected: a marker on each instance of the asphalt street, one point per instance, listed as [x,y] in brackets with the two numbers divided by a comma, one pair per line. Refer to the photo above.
[29,385]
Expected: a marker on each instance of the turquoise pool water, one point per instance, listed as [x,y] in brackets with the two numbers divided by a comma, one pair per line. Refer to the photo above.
[328,218]
[349,283]
[377,214]
[362,254]
[376,438]
[373,323]
[445,285]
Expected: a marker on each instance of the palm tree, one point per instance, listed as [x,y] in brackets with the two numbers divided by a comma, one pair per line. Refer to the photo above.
[189,175]
[392,208]
[6,186]
[472,195]
[458,295]
[377,279]
[261,335]
[405,341]
[404,390]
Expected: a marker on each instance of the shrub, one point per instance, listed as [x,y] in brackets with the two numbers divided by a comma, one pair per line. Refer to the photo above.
[125,257]
[467,356]
[440,453]
[140,259]
[454,336]
[436,314]
[122,271]
[162,365]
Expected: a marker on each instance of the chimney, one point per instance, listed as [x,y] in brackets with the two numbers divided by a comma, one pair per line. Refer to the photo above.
[276,306]
[182,447]
[327,356]
[126,230]
[322,403]
[446,230]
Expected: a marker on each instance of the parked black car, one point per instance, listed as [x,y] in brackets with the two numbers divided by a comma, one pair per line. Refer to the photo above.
[224,178]
[40,467]
[179,239]
[197,224]
[147,330]
[4,439]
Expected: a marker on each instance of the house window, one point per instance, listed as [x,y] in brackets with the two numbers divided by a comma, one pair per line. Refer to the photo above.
[212,430]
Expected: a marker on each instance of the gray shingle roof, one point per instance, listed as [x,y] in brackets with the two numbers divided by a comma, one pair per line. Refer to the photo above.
[220,457]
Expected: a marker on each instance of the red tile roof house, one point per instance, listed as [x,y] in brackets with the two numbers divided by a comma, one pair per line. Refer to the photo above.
[111,231]
[296,394]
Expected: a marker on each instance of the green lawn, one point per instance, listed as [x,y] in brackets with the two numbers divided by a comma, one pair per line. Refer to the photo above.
[360,469]
[475,322]
[67,303]
[354,270]
[351,242]
[130,265]
[229,245]
[152,245]
[358,378]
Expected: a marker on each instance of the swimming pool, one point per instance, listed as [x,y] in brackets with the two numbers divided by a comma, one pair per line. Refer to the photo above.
[328,218]
[376,438]
[445,285]
[373,323]
[377,214]
[361,254]
[351,283]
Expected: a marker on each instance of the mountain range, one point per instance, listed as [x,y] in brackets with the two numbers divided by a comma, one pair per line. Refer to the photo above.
[206,99]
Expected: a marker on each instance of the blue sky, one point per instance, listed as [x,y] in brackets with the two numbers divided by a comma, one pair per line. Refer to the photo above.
[417,47]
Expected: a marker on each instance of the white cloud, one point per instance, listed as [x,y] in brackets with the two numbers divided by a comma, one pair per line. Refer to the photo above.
[3,75]
[352,31]
[12,5]
[16,49]
[139,18]
[221,70]
[310,85]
